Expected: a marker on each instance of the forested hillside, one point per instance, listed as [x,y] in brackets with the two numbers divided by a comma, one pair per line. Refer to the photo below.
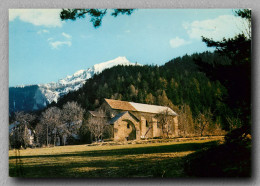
[27,98]
[178,84]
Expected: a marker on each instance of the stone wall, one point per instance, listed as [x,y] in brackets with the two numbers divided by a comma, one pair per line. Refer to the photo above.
[146,127]
[124,127]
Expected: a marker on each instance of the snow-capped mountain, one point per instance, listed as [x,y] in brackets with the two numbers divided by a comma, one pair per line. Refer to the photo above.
[43,94]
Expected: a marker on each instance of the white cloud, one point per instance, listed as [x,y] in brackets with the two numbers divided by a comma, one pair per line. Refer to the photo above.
[50,38]
[223,26]
[177,42]
[57,44]
[66,35]
[37,17]
[44,31]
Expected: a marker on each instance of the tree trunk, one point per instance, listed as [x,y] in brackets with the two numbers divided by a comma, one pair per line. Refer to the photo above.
[54,140]
[63,141]
[24,136]
[47,137]
[202,129]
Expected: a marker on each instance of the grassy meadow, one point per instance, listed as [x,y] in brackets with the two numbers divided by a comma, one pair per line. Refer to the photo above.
[129,160]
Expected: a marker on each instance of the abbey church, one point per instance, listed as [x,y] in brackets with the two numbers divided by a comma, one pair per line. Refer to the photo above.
[135,121]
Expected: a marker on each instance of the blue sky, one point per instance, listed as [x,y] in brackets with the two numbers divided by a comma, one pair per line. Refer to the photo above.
[43,49]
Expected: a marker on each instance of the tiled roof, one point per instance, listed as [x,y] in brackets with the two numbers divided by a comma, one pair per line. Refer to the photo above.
[120,105]
[155,109]
[131,106]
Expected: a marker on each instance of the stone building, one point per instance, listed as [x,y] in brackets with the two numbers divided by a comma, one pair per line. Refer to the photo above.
[135,121]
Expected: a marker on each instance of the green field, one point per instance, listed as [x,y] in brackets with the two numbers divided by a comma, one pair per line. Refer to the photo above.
[131,160]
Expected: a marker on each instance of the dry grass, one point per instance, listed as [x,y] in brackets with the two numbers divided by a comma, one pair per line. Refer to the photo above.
[131,160]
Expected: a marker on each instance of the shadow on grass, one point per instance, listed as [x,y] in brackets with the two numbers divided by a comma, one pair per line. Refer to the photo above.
[122,168]
[226,160]
[131,151]
[110,165]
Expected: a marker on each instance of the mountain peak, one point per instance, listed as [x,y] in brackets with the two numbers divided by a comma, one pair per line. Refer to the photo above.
[121,60]
[53,91]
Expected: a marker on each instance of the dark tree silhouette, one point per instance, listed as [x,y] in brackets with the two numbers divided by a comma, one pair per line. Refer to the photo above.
[96,15]
[235,75]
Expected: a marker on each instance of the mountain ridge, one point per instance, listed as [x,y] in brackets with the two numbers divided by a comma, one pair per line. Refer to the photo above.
[49,92]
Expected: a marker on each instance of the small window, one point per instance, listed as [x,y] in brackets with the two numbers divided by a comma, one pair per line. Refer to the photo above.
[128,126]
[147,125]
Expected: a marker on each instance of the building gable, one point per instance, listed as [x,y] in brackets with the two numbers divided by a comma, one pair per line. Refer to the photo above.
[139,107]
[120,115]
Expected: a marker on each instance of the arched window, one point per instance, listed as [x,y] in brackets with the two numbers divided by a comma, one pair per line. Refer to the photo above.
[147,125]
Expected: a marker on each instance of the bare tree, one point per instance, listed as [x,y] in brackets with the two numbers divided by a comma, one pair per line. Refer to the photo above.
[40,134]
[72,116]
[51,122]
[203,121]
[186,125]
[98,125]
[165,121]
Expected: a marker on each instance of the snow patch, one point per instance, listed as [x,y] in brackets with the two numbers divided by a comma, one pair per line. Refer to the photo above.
[53,91]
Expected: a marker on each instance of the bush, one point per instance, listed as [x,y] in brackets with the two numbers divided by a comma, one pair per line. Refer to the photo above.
[231,159]
[240,136]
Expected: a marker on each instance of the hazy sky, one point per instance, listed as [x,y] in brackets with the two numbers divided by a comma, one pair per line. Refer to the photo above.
[42,48]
